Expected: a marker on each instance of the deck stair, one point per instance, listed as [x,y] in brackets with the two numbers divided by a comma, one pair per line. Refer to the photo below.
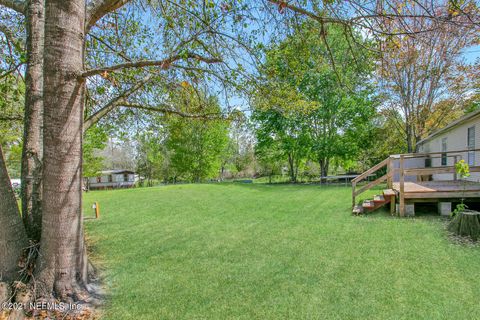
[378,201]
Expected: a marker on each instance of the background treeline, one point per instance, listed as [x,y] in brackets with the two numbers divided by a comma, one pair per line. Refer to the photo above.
[316,107]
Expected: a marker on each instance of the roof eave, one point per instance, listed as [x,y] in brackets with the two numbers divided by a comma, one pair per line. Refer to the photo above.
[451,125]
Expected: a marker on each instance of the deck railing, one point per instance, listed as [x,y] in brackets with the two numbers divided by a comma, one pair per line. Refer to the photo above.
[403,172]
[386,177]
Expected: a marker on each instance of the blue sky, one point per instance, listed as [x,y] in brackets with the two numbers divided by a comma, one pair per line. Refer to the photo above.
[472,54]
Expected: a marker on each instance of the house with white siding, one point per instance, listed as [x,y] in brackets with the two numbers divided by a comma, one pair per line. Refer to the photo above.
[461,135]
[112,179]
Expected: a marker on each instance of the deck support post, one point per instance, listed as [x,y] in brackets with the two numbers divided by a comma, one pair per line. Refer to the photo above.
[390,171]
[445,209]
[354,184]
[392,205]
[402,187]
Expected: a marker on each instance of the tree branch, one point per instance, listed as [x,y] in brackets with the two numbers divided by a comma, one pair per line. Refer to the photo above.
[10,71]
[9,35]
[99,8]
[11,118]
[285,4]
[161,108]
[17,5]
[363,15]
[163,64]
[167,109]
[113,103]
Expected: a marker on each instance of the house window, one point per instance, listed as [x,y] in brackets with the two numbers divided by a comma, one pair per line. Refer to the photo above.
[444,151]
[110,178]
[125,177]
[428,162]
[471,145]
[99,179]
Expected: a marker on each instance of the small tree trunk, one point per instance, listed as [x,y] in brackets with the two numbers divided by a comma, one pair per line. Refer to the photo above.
[417,138]
[324,164]
[291,166]
[32,136]
[60,263]
[409,129]
[13,238]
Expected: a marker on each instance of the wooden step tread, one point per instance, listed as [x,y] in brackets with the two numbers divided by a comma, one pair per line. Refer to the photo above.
[368,204]
[378,198]
[389,192]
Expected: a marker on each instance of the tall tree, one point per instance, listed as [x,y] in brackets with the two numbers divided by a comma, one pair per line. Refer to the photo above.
[12,90]
[94,140]
[13,239]
[32,153]
[152,154]
[196,144]
[32,12]
[60,266]
[336,103]
[418,72]
[285,133]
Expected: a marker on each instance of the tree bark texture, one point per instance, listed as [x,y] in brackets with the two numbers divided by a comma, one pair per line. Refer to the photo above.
[291,166]
[324,164]
[466,224]
[12,233]
[60,264]
[32,153]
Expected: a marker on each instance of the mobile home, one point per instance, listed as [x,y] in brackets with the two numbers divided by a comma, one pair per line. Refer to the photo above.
[112,179]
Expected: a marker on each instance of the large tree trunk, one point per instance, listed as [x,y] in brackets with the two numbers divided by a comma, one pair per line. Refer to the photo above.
[12,233]
[417,139]
[324,164]
[61,259]
[32,136]
[291,168]
[410,136]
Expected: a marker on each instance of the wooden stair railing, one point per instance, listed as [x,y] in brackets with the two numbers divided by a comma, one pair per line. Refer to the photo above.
[388,162]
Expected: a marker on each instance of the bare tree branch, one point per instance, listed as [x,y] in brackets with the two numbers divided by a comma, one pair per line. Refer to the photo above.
[164,64]
[99,8]
[11,118]
[113,103]
[167,109]
[10,71]
[120,101]
[161,108]
[285,4]
[364,17]
[17,5]
[9,35]
[120,54]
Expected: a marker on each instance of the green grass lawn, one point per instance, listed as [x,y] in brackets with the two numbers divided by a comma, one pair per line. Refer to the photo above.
[253,251]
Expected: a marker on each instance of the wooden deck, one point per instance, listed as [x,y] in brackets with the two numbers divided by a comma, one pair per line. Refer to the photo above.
[394,170]
[439,189]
